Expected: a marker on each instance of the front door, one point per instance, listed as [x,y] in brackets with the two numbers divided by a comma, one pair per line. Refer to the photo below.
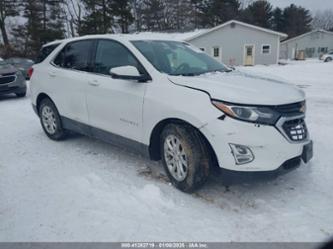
[249,55]
[115,105]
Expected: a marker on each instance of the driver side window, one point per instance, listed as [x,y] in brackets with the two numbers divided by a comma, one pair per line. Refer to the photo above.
[111,54]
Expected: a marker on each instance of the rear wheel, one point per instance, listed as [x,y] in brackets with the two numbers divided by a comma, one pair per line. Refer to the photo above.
[50,120]
[185,157]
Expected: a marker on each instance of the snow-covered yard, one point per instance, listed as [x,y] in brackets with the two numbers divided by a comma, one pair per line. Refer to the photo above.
[82,189]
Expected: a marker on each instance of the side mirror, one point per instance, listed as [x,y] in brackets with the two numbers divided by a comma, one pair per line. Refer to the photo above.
[127,73]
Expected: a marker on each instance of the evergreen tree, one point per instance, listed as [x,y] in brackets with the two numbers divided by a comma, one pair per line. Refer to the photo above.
[214,12]
[297,20]
[122,10]
[259,13]
[44,24]
[97,19]
[180,15]
[278,22]
[152,14]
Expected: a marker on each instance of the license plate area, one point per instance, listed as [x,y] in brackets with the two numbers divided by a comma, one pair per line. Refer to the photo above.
[307,152]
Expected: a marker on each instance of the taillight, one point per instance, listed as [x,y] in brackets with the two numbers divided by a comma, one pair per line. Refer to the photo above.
[30,72]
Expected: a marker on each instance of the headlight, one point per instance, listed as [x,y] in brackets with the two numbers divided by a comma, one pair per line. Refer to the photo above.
[254,114]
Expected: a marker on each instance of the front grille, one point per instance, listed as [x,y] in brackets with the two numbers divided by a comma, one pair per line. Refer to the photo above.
[291,109]
[295,129]
[5,79]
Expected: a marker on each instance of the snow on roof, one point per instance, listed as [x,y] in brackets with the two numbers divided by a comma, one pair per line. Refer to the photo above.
[282,35]
[163,36]
[308,33]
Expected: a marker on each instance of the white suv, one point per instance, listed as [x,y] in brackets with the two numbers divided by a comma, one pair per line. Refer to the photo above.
[172,102]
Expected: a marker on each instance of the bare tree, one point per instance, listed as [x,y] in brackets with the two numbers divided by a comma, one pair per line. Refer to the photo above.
[323,20]
[74,12]
[7,8]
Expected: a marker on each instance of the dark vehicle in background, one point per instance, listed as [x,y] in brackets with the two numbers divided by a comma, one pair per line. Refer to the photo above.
[22,64]
[11,80]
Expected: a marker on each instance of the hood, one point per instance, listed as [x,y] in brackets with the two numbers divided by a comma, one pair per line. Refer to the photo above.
[243,88]
[7,69]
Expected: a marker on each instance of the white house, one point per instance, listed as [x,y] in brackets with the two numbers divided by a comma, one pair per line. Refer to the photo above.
[239,43]
[311,44]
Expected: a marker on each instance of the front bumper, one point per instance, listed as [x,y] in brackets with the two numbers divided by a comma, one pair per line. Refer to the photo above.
[18,85]
[271,148]
[232,177]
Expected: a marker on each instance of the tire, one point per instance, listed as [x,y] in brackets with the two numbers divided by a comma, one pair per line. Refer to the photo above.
[328,59]
[50,120]
[185,157]
[21,95]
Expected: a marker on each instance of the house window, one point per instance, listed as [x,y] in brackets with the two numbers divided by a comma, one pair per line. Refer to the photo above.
[322,50]
[202,49]
[266,49]
[309,52]
[216,52]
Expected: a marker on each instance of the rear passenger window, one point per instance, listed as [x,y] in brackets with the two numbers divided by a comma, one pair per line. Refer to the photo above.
[76,56]
[111,54]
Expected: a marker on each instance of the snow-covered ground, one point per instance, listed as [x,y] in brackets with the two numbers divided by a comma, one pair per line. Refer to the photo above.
[82,189]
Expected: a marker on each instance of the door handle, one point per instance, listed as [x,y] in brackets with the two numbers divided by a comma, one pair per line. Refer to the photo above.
[52,74]
[93,83]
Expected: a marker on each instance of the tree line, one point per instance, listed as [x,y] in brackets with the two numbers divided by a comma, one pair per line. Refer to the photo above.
[26,25]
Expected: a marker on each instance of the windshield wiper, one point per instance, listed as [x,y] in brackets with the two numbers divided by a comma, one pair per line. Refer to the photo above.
[186,74]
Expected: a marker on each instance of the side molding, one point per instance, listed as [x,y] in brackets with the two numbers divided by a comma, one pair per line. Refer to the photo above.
[111,138]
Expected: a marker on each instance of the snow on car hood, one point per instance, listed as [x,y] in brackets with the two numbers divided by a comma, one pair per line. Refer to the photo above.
[243,88]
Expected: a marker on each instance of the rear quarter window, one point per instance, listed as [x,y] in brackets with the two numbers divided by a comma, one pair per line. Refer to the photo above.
[45,52]
[75,55]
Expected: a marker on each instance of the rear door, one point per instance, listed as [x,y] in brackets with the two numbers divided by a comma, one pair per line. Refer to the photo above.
[115,105]
[68,79]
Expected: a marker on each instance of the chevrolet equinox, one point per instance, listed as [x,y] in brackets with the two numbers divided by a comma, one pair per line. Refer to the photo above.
[171,102]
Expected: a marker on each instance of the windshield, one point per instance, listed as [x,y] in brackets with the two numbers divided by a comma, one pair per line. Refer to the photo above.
[177,58]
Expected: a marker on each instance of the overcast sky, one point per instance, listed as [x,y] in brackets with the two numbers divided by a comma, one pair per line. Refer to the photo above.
[313,5]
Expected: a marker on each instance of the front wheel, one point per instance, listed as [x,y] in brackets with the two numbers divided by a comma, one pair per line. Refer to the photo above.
[50,120]
[185,157]
[328,59]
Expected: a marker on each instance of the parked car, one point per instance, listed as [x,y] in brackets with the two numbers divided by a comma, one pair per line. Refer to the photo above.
[171,102]
[327,57]
[11,80]
[21,64]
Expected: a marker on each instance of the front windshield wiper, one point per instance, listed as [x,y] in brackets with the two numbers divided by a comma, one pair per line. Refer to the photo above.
[186,74]
[220,70]
[200,73]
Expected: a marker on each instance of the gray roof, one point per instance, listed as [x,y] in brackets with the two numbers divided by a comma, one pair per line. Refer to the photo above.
[282,35]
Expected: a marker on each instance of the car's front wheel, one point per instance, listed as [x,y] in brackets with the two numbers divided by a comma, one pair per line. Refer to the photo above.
[185,157]
[50,120]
